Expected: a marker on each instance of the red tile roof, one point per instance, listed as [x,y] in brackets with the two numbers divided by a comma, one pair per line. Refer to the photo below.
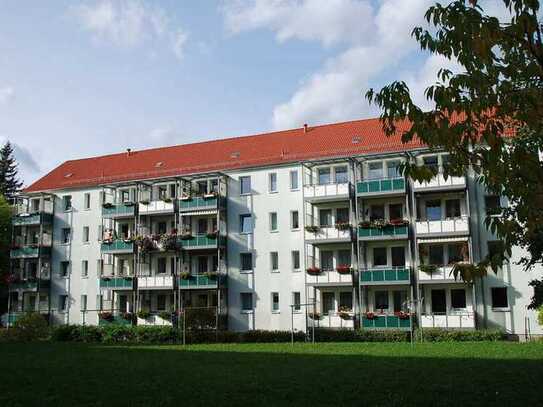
[331,140]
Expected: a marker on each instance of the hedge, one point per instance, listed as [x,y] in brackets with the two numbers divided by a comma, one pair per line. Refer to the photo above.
[444,335]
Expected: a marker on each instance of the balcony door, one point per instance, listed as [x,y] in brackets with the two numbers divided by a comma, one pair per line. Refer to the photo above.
[439,303]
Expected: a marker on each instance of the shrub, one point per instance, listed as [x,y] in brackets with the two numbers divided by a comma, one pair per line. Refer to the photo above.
[30,327]
[460,335]
[156,334]
[200,318]
[364,335]
[77,333]
[118,333]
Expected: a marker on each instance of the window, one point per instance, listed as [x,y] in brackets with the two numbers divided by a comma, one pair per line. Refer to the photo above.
[246,223]
[273,221]
[162,226]
[375,170]
[499,297]
[35,205]
[161,302]
[431,163]
[246,260]
[202,187]
[325,217]
[395,211]
[393,169]
[323,176]
[63,303]
[67,202]
[327,260]
[294,220]
[272,182]
[246,301]
[456,252]
[296,301]
[342,175]
[64,268]
[458,298]
[214,263]
[86,201]
[294,180]
[377,212]
[342,215]
[492,204]
[399,300]
[275,302]
[328,302]
[433,210]
[274,261]
[85,234]
[398,256]
[380,256]
[161,265]
[435,253]
[452,208]
[66,235]
[245,185]
[295,260]
[344,257]
[439,302]
[83,302]
[346,300]
[84,268]
[381,300]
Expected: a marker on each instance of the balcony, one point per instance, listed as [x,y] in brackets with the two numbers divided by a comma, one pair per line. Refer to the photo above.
[118,246]
[375,276]
[452,226]
[385,321]
[208,241]
[385,186]
[121,210]
[439,183]
[327,234]
[327,192]
[32,219]
[464,320]
[199,203]
[32,251]
[117,283]
[30,284]
[333,320]
[158,282]
[436,274]
[156,319]
[156,207]
[196,281]
[333,277]
[386,232]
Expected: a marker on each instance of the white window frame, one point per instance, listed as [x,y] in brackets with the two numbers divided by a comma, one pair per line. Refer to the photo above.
[292,261]
[272,255]
[87,201]
[84,268]
[292,220]
[293,175]
[245,216]
[246,310]
[273,310]
[272,176]
[271,216]
[86,235]
[241,178]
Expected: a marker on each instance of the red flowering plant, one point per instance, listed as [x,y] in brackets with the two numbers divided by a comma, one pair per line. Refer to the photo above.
[313,270]
[106,316]
[402,315]
[370,315]
[343,269]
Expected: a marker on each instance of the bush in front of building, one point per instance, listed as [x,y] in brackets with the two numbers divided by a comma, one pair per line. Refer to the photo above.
[360,335]
[459,335]
[29,327]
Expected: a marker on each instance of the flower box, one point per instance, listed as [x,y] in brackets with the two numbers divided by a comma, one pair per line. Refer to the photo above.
[428,268]
[186,198]
[343,226]
[106,316]
[187,236]
[370,315]
[343,269]
[185,275]
[312,229]
[344,315]
[107,205]
[210,195]
[211,274]
[314,315]
[402,315]
[144,202]
[313,270]
[167,200]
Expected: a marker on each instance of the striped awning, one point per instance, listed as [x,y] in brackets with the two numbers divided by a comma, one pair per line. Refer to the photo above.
[443,239]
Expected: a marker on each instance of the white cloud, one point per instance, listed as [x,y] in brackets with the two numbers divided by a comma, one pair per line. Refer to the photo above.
[377,39]
[128,24]
[163,136]
[7,94]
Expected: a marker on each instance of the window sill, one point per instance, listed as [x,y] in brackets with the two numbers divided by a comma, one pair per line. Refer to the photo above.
[247,311]
[246,194]
[500,309]
[296,270]
[275,271]
[245,233]
[246,271]
[65,244]
[273,192]
[274,231]
[276,312]
[294,229]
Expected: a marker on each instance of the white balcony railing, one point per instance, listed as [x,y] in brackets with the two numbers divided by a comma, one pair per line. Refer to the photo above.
[156,207]
[332,320]
[155,282]
[329,277]
[461,320]
[328,233]
[439,182]
[444,226]
[439,275]
[324,191]
[154,320]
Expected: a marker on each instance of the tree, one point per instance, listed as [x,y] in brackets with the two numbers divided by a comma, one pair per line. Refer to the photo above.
[9,181]
[497,94]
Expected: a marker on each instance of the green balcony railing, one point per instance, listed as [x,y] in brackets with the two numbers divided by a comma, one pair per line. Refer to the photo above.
[384,232]
[198,202]
[385,185]
[384,275]
[30,251]
[199,281]
[118,246]
[386,321]
[118,210]
[201,241]
[120,283]
[32,219]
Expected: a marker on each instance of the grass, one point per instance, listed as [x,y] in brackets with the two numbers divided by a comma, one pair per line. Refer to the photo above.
[333,374]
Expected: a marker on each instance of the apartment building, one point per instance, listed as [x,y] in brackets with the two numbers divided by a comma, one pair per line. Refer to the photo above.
[299,228]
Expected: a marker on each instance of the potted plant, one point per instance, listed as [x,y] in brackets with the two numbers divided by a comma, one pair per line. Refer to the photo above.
[345,312]
[185,275]
[312,228]
[212,235]
[165,315]
[370,315]
[144,314]
[379,223]
[210,195]
[187,235]
[343,226]
[403,315]
[145,202]
[106,316]
[313,270]
[107,205]
[365,224]
[314,315]
[343,269]
[428,268]
[210,274]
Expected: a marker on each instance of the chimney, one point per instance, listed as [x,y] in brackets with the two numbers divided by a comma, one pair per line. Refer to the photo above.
[305,127]
[128,152]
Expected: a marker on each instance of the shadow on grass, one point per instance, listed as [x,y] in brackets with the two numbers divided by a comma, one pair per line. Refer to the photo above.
[252,375]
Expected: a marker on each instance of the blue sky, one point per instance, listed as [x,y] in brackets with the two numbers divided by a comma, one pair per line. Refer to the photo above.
[79,79]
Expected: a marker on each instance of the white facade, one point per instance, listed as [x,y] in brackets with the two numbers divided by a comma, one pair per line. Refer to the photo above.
[333,243]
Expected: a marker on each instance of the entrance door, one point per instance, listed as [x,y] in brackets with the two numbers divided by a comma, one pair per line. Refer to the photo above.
[439,304]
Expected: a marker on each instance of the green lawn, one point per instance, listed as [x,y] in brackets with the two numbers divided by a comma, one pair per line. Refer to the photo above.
[335,374]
